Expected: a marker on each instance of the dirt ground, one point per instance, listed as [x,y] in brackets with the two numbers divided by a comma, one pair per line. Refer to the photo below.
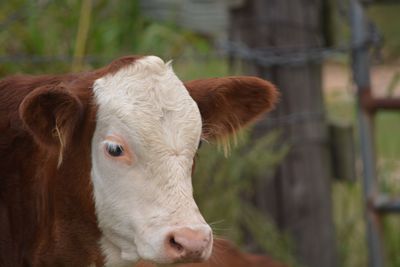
[337,78]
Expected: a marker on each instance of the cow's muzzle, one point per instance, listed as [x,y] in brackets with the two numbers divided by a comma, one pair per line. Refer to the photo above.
[189,244]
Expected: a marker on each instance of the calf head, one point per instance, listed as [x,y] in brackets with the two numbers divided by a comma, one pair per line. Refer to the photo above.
[147,130]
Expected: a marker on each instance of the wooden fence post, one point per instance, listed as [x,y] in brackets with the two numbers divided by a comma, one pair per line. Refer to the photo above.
[298,197]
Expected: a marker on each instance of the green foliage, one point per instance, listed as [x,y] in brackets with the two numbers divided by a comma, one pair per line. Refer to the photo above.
[386,18]
[391,236]
[387,129]
[348,199]
[350,225]
[224,187]
[193,68]
[350,228]
[49,29]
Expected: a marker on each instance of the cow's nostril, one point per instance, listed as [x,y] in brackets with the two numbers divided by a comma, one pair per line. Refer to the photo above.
[186,244]
[175,244]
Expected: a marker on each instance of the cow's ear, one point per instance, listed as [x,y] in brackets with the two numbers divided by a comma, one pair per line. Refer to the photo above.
[227,104]
[51,114]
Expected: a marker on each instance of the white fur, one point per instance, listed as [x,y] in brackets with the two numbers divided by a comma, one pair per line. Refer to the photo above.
[137,205]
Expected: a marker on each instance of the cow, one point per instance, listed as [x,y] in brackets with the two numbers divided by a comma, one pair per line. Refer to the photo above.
[95,167]
[226,254]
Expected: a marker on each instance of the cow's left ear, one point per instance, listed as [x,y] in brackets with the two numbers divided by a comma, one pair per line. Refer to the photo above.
[227,104]
[51,114]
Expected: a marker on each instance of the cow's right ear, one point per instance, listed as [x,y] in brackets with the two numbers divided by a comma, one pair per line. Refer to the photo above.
[51,114]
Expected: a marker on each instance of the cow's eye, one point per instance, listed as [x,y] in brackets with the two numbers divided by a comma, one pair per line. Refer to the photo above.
[114,150]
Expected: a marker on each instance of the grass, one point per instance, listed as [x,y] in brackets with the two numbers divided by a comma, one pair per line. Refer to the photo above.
[347,197]
[188,69]
[386,19]
[350,226]
[387,130]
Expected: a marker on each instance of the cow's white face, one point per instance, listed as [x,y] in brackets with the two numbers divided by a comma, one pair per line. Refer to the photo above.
[147,133]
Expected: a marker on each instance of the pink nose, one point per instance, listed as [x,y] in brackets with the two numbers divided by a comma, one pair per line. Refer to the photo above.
[185,244]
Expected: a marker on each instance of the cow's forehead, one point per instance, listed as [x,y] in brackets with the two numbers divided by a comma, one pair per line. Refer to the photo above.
[148,98]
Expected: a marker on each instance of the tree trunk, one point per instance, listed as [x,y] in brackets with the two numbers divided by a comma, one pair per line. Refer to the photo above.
[298,197]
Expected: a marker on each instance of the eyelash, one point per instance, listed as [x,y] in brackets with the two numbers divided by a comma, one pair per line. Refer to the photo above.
[114,150]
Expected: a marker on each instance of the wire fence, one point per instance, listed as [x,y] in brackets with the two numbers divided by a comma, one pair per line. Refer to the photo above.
[297,55]
[42,59]
[263,56]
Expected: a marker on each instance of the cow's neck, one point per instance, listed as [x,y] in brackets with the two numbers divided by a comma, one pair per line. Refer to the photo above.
[49,215]
[71,216]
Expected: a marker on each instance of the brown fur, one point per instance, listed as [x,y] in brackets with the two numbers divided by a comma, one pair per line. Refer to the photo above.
[228,103]
[47,215]
[225,254]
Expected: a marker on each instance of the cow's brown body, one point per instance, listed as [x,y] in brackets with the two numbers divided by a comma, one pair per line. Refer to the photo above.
[47,214]
[34,229]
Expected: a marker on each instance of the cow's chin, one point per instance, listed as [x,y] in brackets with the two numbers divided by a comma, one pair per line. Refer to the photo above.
[117,254]
[119,251]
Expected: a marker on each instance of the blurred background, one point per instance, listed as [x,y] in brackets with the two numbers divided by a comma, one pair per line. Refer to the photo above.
[312,184]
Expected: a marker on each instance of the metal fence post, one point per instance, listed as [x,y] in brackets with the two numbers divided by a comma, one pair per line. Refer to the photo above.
[361,67]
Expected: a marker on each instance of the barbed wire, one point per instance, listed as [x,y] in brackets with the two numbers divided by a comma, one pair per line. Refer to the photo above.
[22,12]
[98,59]
[16,15]
[291,119]
[280,56]
[263,56]
[41,59]
[295,55]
